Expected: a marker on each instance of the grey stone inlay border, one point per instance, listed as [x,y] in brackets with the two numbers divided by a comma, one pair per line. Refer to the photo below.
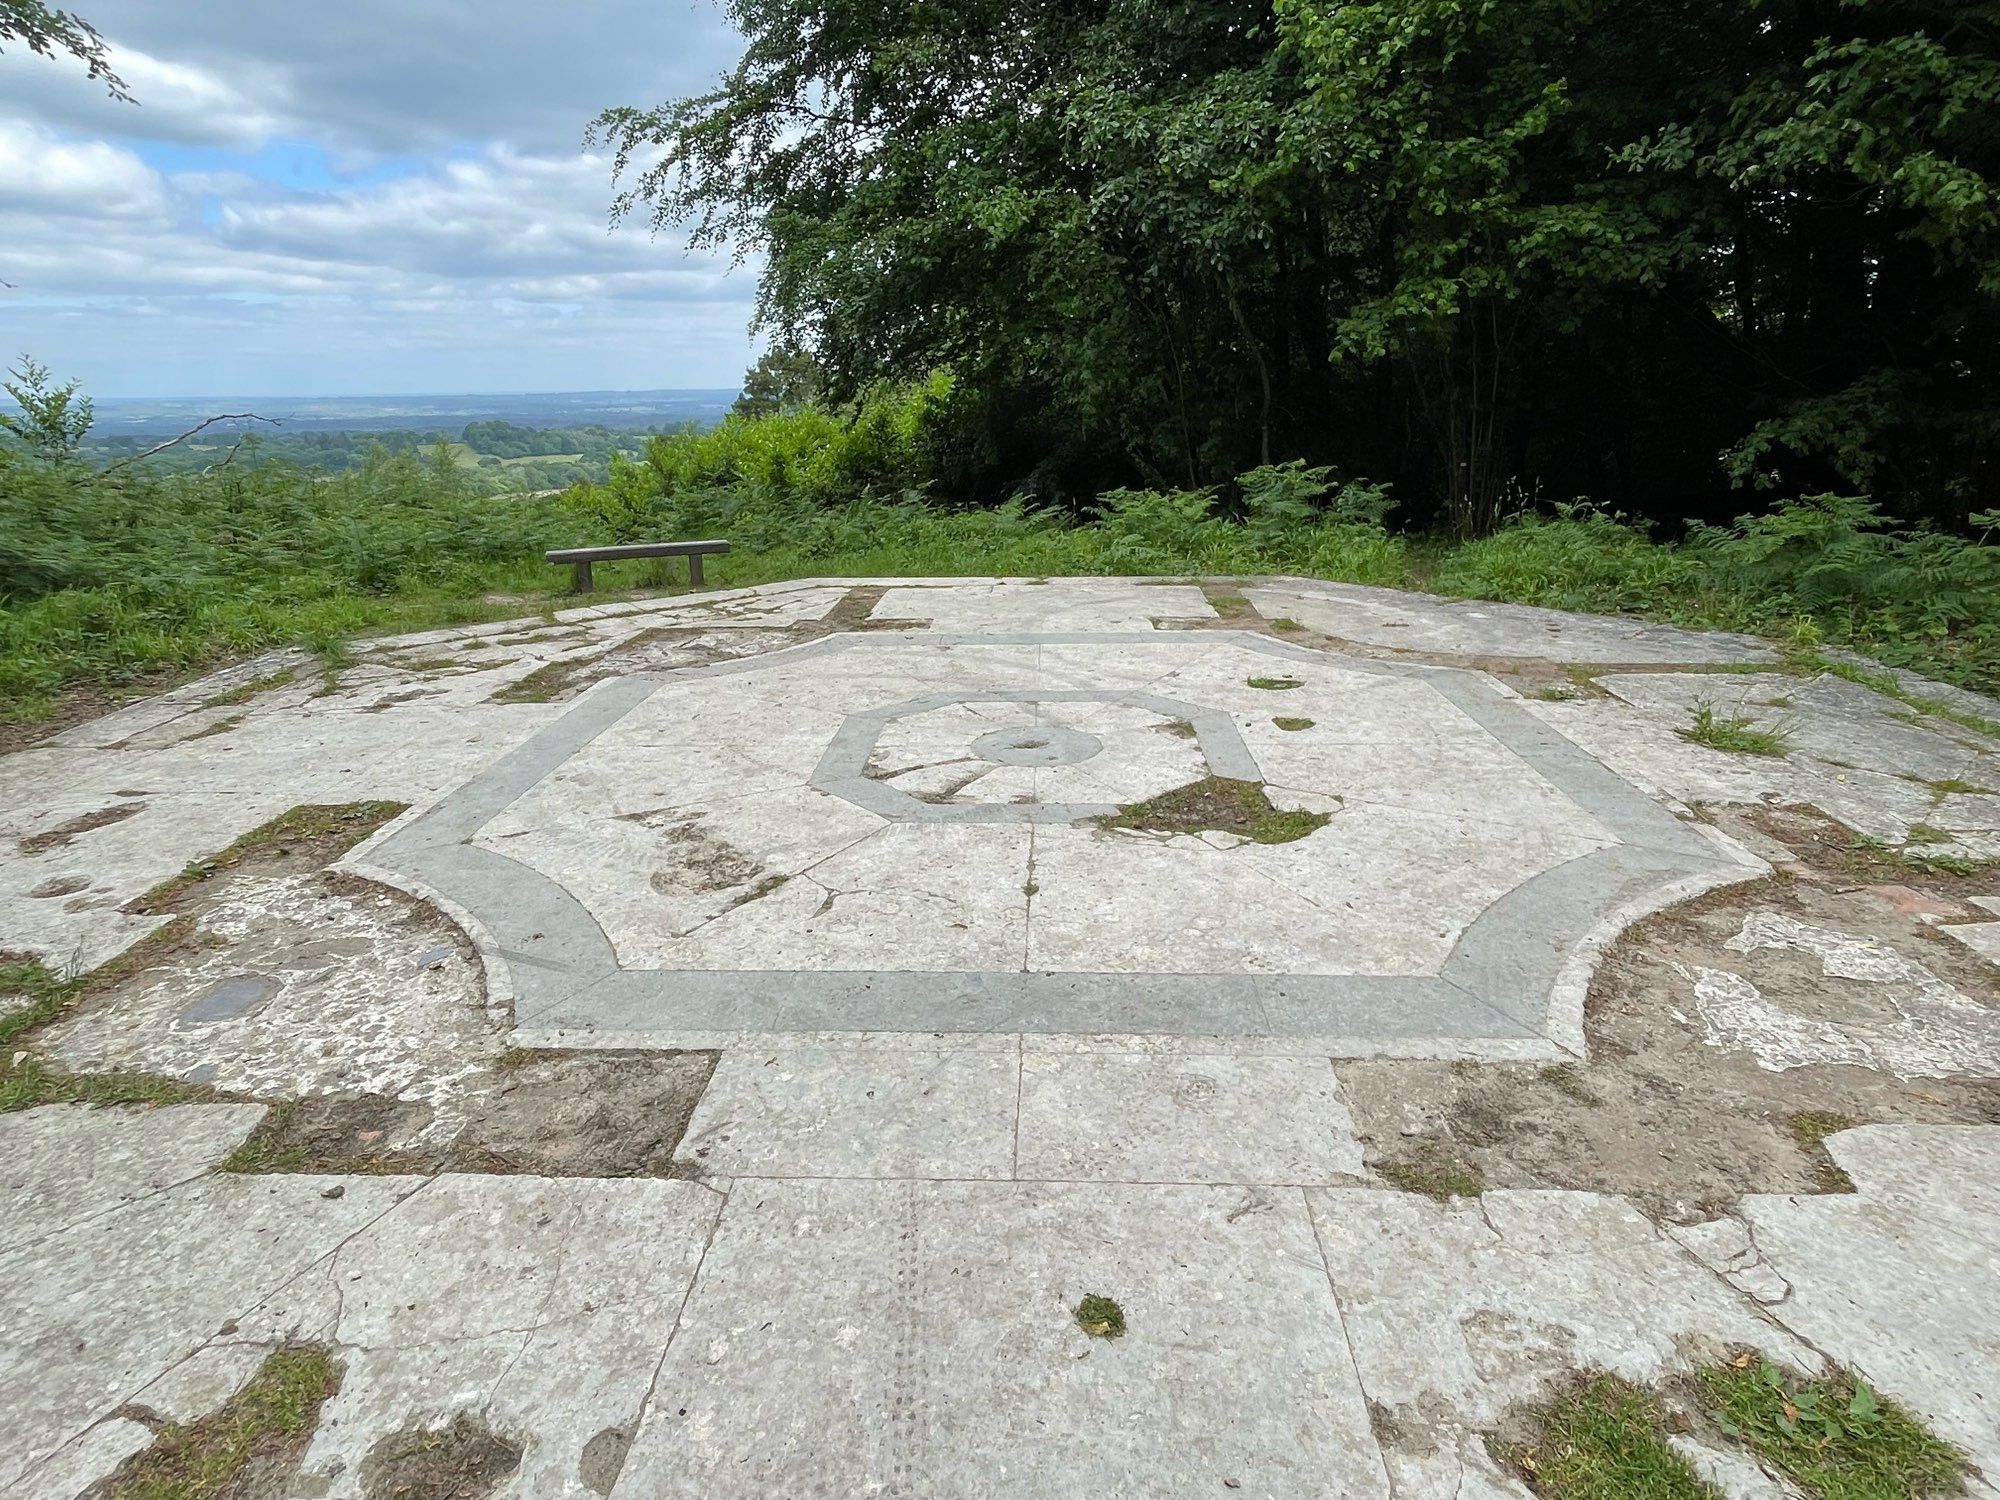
[1495,985]
[843,769]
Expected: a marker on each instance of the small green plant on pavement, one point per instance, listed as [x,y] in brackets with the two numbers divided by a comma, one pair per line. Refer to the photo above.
[1737,735]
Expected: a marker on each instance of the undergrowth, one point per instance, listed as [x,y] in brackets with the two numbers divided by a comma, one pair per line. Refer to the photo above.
[124,580]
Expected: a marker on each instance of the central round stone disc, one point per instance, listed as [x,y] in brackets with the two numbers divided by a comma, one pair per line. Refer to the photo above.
[1042,745]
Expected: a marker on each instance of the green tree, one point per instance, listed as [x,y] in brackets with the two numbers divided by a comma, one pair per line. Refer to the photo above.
[1482,249]
[52,420]
[784,379]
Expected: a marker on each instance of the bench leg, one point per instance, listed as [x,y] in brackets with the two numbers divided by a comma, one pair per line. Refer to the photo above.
[583,578]
[694,570]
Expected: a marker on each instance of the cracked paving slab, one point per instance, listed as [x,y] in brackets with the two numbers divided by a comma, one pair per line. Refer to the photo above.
[541,1305]
[1897,1279]
[919,1336]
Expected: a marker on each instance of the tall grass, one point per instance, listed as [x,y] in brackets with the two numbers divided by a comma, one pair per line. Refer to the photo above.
[115,579]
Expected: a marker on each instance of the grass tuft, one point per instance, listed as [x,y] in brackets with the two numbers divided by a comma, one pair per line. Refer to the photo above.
[1219,805]
[1430,1172]
[1275,684]
[1810,1128]
[1836,1437]
[1292,725]
[1739,736]
[1604,1440]
[1567,1080]
[267,1422]
[28,1082]
[31,996]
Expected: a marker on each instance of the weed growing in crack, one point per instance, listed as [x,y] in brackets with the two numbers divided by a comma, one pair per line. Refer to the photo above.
[1952,787]
[268,1422]
[1292,725]
[342,824]
[1738,736]
[244,692]
[1810,1128]
[1275,684]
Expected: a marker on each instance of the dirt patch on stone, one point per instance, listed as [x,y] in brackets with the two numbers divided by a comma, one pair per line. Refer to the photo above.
[64,834]
[701,861]
[1216,804]
[662,649]
[1659,1113]
[603,1459]
[546,1114]
[465,1461]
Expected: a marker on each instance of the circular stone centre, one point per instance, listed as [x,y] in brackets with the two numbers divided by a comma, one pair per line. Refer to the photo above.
[1044,746]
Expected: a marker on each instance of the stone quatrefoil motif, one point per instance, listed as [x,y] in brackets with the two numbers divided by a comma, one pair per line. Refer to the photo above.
[843,769]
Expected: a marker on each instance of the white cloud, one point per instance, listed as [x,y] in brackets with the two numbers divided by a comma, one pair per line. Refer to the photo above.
[372,197]
[179,102]
[40,173]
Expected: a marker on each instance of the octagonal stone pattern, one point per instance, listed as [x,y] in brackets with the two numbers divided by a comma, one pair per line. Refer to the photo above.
[810,840]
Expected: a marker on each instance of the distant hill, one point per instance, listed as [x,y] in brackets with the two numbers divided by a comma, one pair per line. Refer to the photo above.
[142,416]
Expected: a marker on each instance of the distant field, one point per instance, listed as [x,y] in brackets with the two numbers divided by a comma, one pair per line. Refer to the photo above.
[503,453]
[157,417]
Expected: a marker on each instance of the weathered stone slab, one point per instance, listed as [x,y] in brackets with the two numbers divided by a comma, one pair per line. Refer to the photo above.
[1458,1310]
[1278,1120]
[841,1112]
[1470,627]
[65,1164]
[1897,1279]
[857,1338]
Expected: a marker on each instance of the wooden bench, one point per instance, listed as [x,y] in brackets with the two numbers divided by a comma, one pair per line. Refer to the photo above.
[582,557]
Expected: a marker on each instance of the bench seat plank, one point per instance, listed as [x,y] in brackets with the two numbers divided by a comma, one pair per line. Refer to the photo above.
[582,557]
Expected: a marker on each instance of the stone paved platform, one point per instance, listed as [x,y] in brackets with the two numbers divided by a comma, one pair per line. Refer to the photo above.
[748,1042]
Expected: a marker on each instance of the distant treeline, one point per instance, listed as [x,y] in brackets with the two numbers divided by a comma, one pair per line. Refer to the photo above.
[513,457]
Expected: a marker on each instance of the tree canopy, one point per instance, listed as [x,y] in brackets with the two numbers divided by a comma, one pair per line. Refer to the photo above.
[47,31]
[1657,252]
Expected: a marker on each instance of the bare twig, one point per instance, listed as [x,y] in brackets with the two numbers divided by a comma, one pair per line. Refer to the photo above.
[228,416]
[230,457]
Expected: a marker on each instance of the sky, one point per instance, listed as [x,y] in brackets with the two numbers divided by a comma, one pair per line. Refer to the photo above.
[371,198]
